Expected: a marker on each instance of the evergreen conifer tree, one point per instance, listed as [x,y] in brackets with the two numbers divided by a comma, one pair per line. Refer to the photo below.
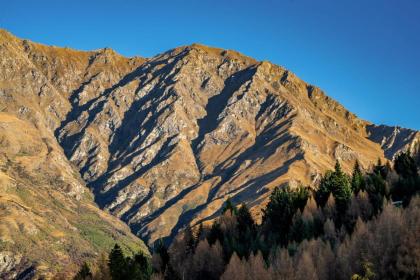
[405,165]
[279,213]
[246,231]
[337,183]
[357,180]
[139,268]
[215,233]
[117,263]
[409,182]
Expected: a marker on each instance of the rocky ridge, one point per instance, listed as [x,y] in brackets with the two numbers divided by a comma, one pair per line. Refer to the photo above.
[162,142]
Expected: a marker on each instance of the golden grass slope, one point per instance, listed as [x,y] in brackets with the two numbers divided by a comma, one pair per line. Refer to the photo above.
[48,220]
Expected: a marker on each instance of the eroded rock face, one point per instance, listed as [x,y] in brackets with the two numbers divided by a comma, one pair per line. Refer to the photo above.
[49,222]
[162,142]
[13,266]
[394,139]
[8,261]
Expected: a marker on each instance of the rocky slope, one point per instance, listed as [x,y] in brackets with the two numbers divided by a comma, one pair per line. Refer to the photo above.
[49,222]
[394,139]
[162,142]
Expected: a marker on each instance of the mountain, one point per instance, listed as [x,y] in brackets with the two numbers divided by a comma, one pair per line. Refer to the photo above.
[162,142]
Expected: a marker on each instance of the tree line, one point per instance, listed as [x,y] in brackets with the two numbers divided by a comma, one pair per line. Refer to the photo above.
[363,226]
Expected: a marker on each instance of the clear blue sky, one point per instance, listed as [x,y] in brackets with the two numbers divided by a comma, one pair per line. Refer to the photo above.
[363,53]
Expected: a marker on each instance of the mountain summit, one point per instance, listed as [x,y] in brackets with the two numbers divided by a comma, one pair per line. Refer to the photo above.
[162,142]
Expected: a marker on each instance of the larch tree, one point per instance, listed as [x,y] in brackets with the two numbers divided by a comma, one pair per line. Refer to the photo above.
[256,268]
[408,255]
[305,269]
[282,265]
[235,270]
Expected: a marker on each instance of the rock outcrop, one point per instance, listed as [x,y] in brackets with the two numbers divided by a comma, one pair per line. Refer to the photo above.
[394,139]
[162,142]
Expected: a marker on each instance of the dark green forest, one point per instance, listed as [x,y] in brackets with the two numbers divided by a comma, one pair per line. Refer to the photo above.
[363,225]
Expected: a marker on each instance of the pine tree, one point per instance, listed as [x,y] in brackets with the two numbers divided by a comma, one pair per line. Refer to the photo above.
[244,219]
[139,268]
[246,231]
[324,190]
[301,196]
[405,165]
[215,233]
[341,189]
[337,183]
[380,169]
[279,213]
[357,180]
[409,182]
[376,189]
[117,263]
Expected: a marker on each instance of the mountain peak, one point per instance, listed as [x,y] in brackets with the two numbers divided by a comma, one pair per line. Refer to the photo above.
[4,32]
[215,51]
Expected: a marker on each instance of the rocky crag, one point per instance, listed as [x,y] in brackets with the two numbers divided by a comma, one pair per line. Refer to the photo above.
[163,141]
